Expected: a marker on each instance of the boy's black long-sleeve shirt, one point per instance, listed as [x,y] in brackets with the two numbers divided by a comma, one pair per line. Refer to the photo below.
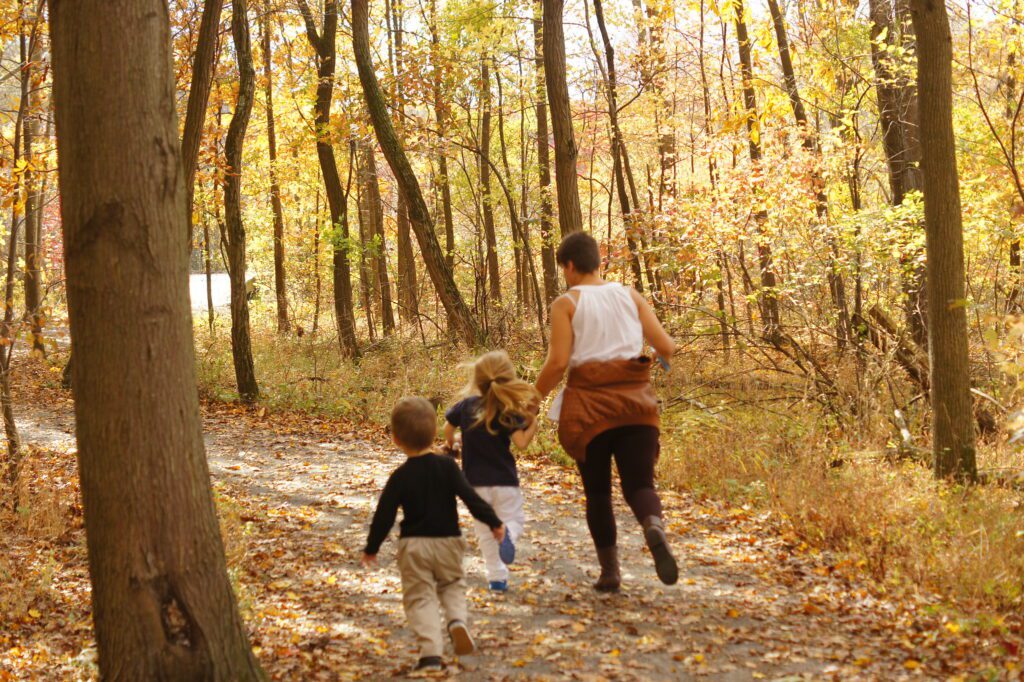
[425,487]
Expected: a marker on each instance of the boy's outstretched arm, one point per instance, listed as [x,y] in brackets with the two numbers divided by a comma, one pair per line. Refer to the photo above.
[383,519]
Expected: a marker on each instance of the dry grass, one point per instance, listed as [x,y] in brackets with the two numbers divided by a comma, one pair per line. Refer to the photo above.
[732,430]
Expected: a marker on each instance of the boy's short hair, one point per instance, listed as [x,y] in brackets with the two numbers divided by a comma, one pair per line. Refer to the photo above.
[414,423]
[580,249]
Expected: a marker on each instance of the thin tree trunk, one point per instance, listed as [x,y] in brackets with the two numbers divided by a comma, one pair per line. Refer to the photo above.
[547,248]
[234,232]
[162,604]
[280,288]
[953,419]
[344,315]
[365,278]
[487,201]
[769,301]
[375,213]
[897,107]
[618,147]
[7,332]
[810,143]
[33,208]
[198,98]
[570,217]
[391,147]
[326,50]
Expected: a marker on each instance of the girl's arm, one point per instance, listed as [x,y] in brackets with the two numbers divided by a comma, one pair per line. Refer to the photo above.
[449,435]
[523,437]
[653,331]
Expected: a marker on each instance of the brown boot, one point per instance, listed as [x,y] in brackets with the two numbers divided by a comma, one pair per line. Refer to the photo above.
[657,542]
[610,579]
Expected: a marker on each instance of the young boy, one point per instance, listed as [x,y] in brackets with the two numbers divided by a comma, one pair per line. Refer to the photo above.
[431,547]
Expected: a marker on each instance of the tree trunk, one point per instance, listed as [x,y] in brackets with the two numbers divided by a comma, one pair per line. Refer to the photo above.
[33,207]
[375,216]
[547,247]
[897,112]
[366,289]
[275,188]
[7,333]
[769,301]
[198,98]
[618,148]
[570,217]
[162,604]
[810,143]
[953,420]
[234,231]
[422,224]
[337,201]
[487,200]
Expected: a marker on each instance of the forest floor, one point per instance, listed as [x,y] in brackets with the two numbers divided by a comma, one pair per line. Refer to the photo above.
[296,494]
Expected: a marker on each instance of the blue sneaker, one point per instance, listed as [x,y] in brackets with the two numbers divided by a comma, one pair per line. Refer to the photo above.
[499,586]
[507,550]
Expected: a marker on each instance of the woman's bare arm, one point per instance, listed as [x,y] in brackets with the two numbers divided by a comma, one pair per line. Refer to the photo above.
[560,347]
[653,331]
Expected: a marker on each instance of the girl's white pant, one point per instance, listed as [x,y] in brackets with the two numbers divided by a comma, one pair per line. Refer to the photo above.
[508,505]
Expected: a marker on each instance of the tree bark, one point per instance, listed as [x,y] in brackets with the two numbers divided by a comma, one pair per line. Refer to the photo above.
[547,237]
[953,420]
[769,301]
[234,229]
[33,207]
[162,604]
[408,295]
[280,288]
[810,143]
[570,217]
[326,51]
[198,98]
[487,200]
[618,150]
[375,216]
[897,112]
[391,147]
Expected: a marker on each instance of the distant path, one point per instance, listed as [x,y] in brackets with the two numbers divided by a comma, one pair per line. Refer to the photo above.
[747,606]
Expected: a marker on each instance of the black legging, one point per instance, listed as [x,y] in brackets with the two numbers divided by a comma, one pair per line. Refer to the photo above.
[635,449]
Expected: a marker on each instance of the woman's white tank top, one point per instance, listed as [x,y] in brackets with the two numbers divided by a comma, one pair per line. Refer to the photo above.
[606,326]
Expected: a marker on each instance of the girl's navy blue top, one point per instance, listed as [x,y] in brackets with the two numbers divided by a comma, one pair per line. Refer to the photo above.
[486,458]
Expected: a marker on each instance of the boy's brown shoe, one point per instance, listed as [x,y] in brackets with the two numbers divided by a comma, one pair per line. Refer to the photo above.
[462,641]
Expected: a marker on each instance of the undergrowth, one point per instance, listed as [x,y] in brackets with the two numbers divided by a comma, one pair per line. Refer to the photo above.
[834,485]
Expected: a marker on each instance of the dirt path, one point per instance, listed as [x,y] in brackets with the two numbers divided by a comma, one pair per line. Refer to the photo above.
[749,605]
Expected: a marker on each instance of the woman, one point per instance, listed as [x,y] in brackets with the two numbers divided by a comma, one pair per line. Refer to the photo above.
[608,408]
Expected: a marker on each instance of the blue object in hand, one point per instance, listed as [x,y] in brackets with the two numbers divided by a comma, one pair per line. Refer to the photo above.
[664,364]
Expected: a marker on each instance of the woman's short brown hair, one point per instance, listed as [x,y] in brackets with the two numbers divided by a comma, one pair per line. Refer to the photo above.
[414,423]
[580,249]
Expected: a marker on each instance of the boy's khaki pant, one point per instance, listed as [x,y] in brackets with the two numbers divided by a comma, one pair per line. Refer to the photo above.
[431,571]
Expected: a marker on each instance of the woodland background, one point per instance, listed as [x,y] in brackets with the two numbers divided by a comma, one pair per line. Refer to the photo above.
[752,169]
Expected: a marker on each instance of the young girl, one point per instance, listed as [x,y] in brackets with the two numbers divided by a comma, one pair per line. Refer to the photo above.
[498,410]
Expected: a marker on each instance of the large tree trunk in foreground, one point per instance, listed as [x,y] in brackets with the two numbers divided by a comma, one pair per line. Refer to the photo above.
[280,289]
[570,216]
[162,604]
[234,229]
[547,247]
[953,420]
[422,225]
[198,98]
